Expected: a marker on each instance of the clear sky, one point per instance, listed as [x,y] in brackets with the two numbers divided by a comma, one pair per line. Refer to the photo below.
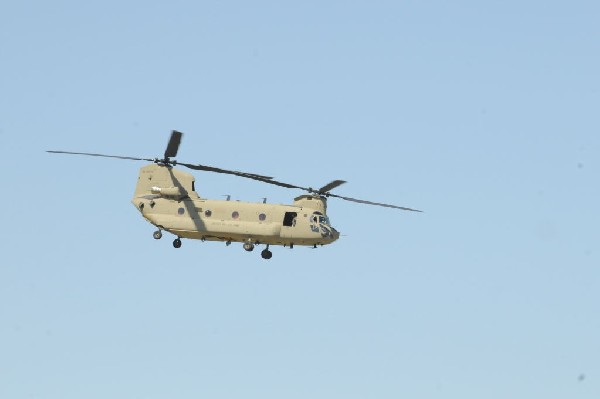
[485,114]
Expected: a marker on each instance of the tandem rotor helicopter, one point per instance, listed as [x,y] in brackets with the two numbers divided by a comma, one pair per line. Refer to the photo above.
[166,197]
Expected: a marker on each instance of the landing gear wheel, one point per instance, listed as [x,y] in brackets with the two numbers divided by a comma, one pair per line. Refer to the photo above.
[157,235]
[266,254]
[177,243]
[248,246]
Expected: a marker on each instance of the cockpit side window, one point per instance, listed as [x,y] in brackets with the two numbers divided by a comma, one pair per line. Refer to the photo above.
[324,220]
[319,218]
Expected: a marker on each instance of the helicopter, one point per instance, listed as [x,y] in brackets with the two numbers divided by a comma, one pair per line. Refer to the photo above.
[167,198]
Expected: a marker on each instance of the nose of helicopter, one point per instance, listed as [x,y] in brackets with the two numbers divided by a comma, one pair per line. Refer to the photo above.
[334,234]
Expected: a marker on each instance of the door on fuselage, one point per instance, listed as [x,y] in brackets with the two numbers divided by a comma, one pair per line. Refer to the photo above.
[289,224]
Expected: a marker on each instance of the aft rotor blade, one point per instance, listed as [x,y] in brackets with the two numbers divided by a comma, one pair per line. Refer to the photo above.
[173,145]
[374,203]
[226,171]
[100,155]
[330,186]
[253,176]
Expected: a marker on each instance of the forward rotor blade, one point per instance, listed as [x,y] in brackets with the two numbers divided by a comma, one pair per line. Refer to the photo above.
[100,155]
[330,186]
[173,145]
[374,203]
[281,184]
[269,180]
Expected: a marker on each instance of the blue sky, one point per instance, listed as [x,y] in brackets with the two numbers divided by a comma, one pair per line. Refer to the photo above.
[483,114]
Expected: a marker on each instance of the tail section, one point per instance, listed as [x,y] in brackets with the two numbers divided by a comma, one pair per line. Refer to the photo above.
[156,179]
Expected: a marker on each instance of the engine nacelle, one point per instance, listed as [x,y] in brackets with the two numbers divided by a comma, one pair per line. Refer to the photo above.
[168,191]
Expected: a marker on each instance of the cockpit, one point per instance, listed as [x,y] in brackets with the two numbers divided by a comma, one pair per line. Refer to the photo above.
[320,224]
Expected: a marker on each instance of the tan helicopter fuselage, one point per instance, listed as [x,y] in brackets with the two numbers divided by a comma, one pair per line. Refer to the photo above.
[166,197]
